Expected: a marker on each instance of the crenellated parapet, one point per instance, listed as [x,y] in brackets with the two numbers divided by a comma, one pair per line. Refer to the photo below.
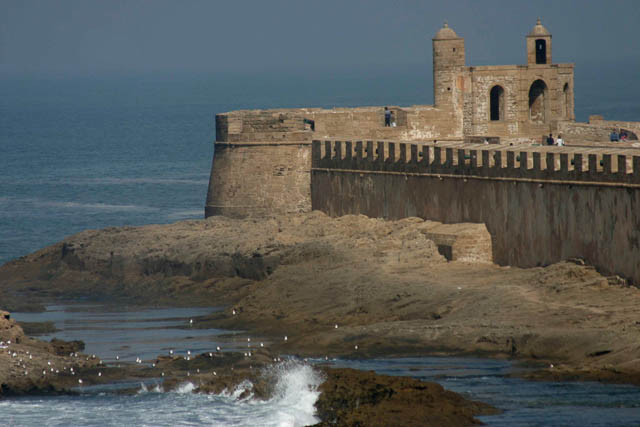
[541,205]
[475,161]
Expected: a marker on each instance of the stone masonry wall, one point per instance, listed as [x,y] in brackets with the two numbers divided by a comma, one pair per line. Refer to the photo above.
[412,123]
[259,179]
[538,209]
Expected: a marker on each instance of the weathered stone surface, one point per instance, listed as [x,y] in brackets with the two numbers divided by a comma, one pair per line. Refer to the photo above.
[358,398]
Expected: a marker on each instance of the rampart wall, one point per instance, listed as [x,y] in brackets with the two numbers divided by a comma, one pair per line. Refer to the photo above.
[411,123]
[539,207]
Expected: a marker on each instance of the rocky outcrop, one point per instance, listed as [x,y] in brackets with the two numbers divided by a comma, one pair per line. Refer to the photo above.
[384,283]
[358,398]
[189,257]
[10,331]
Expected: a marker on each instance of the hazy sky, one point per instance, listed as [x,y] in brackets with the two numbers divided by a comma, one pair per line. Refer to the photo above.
[87,37]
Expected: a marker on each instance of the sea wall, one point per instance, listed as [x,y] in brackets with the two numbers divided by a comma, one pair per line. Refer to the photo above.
[539,208]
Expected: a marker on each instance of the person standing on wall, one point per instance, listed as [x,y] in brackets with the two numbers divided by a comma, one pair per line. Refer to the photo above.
[560,141]
[613,137]
[387,117]
[550,139]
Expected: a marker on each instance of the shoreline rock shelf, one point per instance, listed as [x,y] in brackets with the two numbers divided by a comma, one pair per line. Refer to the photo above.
[384,282]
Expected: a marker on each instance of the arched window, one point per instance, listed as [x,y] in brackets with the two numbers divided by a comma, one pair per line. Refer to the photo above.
[538,103]
[565,100]
[541,51]
[496,102]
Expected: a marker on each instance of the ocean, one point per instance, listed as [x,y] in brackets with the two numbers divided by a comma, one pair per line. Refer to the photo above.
[89,153]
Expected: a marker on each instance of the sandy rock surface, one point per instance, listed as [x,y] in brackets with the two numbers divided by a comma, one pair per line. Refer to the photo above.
[382,282]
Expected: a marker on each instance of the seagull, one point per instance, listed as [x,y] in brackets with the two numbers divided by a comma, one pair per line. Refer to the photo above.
[190,322]
[335,326]
[218,348]
[356,347]
[214,373]
[261,344]
[189,352]
[285,338]
[233,311]
[171,352]
[210,354]
[79,381]
[99,374]
[163,374]
[198,370]
[117,357]
[248,339]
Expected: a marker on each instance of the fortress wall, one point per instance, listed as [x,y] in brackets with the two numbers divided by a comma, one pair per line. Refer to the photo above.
[576,132]
[259,179]
[596,131]
[261,125]
[617,125]
[412,123]
[539,208]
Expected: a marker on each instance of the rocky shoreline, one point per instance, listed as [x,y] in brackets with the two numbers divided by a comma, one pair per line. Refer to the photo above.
[347,396]
[350,287]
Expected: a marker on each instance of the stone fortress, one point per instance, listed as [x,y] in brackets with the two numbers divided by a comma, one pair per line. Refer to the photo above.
[477,155]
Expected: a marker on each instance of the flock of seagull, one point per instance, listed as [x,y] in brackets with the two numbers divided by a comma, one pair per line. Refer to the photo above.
[52,370]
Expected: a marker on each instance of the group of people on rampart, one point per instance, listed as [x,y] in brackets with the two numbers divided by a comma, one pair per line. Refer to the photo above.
[550,141]
[616,136]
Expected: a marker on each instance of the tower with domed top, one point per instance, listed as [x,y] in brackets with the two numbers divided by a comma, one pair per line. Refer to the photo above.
[539,45]
[448,63]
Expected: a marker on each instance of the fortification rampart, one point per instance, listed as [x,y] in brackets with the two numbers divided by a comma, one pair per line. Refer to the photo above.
[410,124]
[540,206]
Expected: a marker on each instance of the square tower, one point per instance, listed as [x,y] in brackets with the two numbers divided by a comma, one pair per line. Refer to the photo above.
[539,45]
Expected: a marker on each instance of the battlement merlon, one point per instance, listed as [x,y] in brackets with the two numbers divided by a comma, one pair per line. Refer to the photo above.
[561,165]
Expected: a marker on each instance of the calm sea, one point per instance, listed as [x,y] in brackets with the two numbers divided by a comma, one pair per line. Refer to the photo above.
[88,153]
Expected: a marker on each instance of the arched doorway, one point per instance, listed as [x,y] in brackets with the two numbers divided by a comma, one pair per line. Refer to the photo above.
[496,103]
[538,102]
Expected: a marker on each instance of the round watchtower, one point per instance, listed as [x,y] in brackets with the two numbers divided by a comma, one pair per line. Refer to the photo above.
[261,165]
[448,60]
